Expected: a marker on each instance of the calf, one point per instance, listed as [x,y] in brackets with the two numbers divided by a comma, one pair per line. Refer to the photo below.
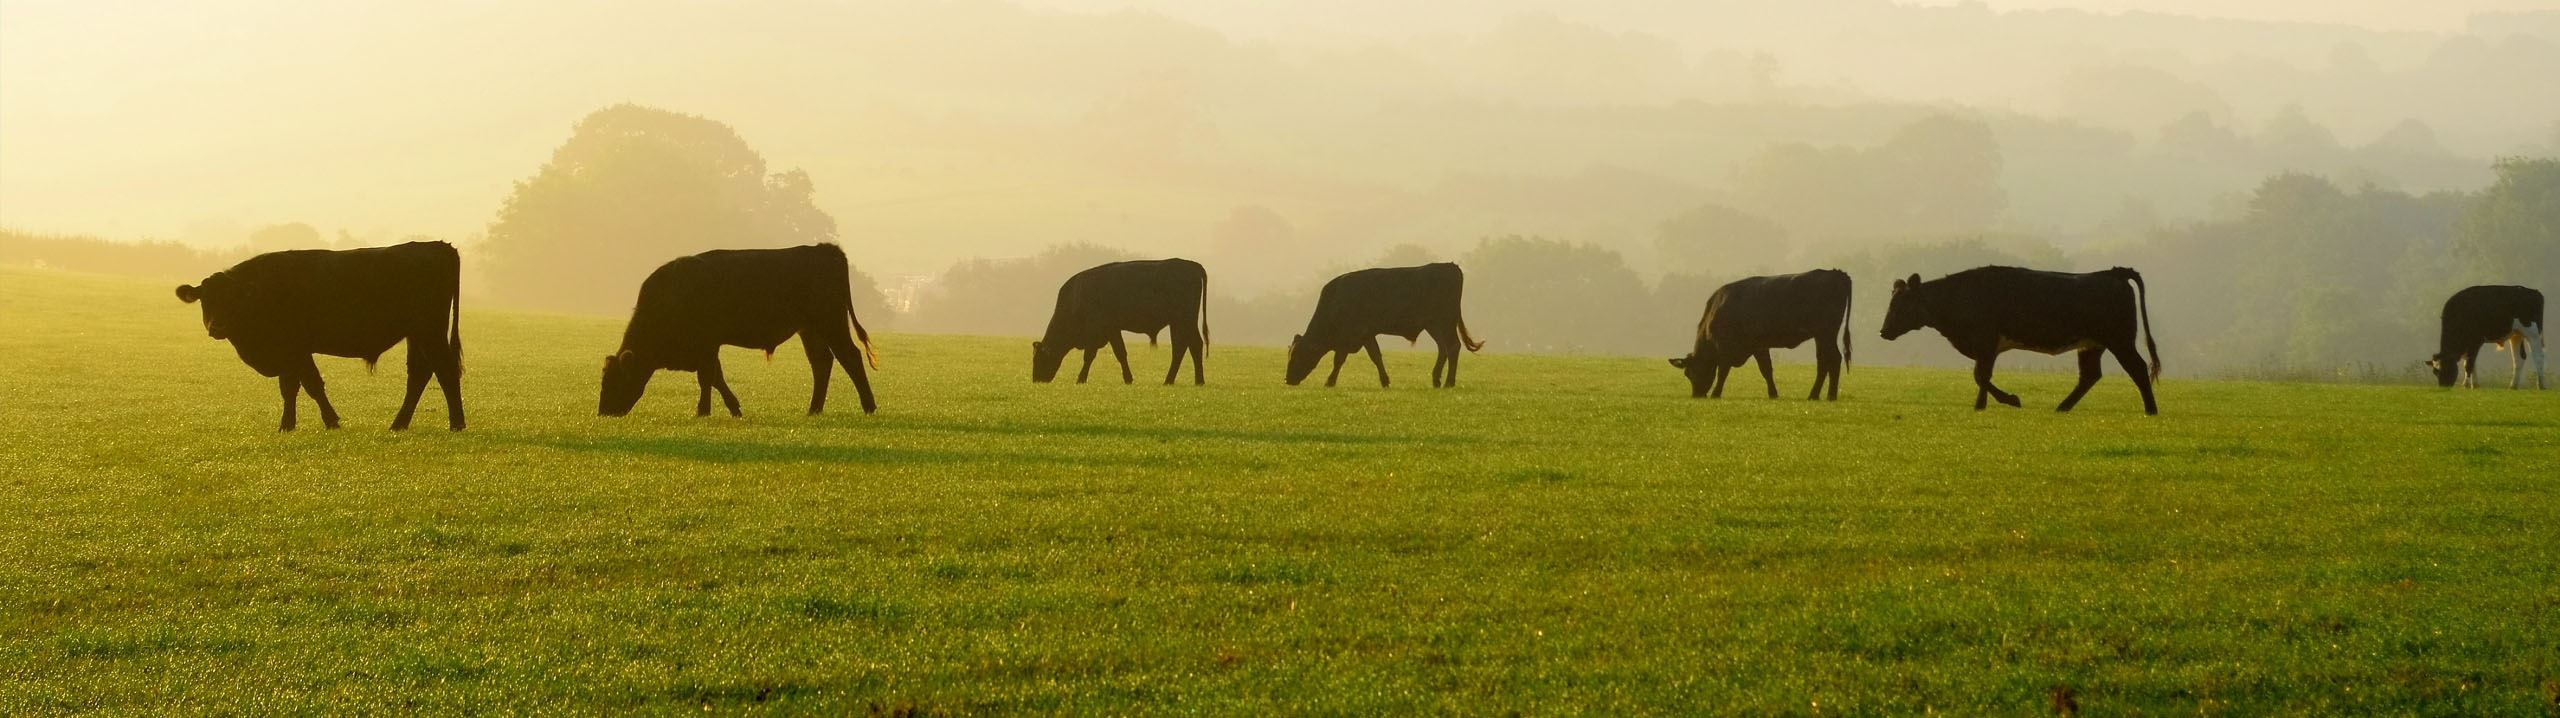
[279,308]
[753,298]
[1097,304]
[1404,301]
[2508,316]
[1747,318]
[1989,310]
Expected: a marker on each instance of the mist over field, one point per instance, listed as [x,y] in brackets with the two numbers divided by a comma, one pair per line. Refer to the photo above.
[2302,185]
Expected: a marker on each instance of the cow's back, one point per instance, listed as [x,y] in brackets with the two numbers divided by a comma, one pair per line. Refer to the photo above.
[2490,310]
[1136,295]
[2036,308]
[1782,310]
[753,298]
[352,303]
[1393,300]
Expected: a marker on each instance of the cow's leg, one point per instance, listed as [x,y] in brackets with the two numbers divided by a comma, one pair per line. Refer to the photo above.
[319,391]
[1982,381]
[1717,391]
[1087,371]
[449,379]
[1826,358]
[1767,376]
[2140,371]
[1375,358]
[2534,332]
[1120,351]
[840,345]
[288,384]
[1199,355]
[720,380]
[2471,369]
[821,370]
[1337,368]
[2515,354]
[1180,347]
[2089,367]
[421,368]
[702,402]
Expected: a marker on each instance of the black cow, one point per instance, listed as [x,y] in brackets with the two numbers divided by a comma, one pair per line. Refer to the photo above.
[1747,318]
[1146,297]
[1403,301]
[280,308]
[1989,310]
[753,298]
[2508,316]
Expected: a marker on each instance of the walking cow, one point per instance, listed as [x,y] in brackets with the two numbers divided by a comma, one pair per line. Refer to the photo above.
[1403,301]
[2508,316]
[1989,310]
[279,308]
[1747,318]
[753,298]
[1147,296]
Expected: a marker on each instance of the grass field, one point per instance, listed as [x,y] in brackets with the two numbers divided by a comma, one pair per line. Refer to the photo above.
[1560,535]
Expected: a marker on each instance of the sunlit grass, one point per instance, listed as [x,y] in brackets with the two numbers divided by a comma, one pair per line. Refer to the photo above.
[1559,535]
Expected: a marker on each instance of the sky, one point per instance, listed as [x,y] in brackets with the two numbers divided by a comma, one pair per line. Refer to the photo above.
[198,121]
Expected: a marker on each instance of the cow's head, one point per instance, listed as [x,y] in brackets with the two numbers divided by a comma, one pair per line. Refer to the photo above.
[624,378]
[2448,368]
[224,298]
[1045,360]
[1302,359]
[1906,313]
[1701,365]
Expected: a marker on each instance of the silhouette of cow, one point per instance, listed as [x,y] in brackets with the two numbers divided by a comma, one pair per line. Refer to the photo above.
[1747,318]
[1403,301]
[1145,296]
[2509,316]
[279,308]
[753,298]
[1989,310]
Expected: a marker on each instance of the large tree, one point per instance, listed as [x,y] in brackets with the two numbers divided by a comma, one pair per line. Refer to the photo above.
[2511,235]
[632,188]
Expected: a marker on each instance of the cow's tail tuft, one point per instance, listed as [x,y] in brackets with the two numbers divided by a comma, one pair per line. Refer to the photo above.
[1845,344]
[2142,303]
[1468,339]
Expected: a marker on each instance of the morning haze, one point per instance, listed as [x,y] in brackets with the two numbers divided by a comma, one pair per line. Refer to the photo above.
[1659,148]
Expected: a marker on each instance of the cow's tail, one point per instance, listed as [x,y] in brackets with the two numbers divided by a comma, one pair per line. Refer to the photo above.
[1852,300]
[1204,313]
[2142,303]
[868,355]
[453,333]
[1467,339]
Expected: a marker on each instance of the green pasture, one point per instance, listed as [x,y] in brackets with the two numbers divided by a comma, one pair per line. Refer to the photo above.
[1556,536]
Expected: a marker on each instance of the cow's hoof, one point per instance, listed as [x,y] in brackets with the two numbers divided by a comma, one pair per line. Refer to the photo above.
[2012,401]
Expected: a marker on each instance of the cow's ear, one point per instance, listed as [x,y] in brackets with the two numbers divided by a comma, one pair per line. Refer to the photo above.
[1898,286]
[187,293]
[1035,346]
[1915,280]
[1679,362]
[2435,364]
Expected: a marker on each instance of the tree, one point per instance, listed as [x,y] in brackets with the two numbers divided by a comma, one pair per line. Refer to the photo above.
[2511,233]
[1544,295]
[281,237]
[1254,236]
[1934,177]
[1714,238]
[1005,297]
[633,188]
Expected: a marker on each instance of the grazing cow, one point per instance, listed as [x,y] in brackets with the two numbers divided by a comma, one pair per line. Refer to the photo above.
[1403,301]
[2508,316]
[1747,318]
[1146,297]
[1989,310]
[280,308]
[753,298]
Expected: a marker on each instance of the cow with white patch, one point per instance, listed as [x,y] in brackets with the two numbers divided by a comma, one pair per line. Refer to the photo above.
[2508,316]
[1988,310]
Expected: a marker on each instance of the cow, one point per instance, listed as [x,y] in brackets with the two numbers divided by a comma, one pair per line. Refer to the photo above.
[1988,310]
[280,308]
[1403,301]
[1146,297]
[2508,316]
[753,298]
[1749,317]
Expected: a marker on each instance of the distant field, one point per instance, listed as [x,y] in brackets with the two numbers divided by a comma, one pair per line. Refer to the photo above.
[1559,535]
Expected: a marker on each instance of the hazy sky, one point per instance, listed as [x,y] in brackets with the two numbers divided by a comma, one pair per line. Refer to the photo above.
[134,119]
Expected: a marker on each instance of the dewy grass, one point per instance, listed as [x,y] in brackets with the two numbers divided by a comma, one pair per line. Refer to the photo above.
[1559,535]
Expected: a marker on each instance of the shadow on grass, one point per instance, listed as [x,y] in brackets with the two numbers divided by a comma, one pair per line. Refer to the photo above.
[1171,433]
[737,452]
